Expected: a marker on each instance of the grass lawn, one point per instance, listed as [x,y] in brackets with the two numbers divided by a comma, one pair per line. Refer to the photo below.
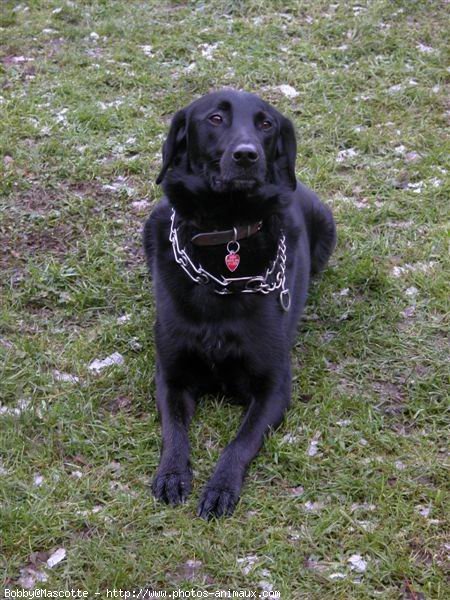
[348,498]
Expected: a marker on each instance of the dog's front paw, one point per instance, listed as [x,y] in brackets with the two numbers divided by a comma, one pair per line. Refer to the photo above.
[217,502]
[172,488]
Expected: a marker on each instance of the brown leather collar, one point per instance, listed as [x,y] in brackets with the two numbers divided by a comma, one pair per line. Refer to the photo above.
[214,238]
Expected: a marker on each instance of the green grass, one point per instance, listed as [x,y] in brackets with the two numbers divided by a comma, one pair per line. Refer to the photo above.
[85,103]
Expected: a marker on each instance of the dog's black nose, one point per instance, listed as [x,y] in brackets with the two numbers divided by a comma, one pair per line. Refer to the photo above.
[245,155]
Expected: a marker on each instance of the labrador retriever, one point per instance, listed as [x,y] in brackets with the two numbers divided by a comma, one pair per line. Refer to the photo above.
[230,248]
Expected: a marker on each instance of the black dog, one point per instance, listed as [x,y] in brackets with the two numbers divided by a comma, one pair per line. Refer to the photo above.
[231,248]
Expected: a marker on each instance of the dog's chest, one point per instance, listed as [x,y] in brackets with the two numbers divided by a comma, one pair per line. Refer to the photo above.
[217,345]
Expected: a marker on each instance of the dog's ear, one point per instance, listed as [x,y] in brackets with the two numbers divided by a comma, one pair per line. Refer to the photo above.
[175,142]
[286,153]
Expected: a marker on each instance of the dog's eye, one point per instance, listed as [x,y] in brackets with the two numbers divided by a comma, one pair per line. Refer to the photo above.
[266,124]
[215,119]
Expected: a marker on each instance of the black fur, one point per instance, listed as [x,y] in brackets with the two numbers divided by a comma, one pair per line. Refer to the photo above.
[238,344]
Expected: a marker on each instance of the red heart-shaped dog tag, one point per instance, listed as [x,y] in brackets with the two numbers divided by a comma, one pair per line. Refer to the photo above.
[232,261]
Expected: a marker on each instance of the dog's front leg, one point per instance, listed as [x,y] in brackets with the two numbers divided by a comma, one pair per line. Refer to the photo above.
[265,412]
[172,482]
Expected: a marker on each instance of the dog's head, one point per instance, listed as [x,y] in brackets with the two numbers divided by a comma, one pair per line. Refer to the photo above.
[230,141]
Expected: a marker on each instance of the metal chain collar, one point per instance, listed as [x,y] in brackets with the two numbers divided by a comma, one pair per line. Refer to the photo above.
[252,285]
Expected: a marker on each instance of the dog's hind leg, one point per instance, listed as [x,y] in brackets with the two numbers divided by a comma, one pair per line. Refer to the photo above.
[321,228]
[323,238]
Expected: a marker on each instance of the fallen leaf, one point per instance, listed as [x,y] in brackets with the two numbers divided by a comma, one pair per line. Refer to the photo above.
[313,447]
[113,359]
[344,155]
[38,480]
[247,563]
[30,576]
[56,557]
[357,563]
[288,91]
[313,506]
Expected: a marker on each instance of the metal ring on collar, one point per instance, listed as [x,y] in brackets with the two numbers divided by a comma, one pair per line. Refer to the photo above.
[236,247]
[285,300]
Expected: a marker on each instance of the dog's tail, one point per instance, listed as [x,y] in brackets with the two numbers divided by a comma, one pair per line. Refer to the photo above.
[321,231]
